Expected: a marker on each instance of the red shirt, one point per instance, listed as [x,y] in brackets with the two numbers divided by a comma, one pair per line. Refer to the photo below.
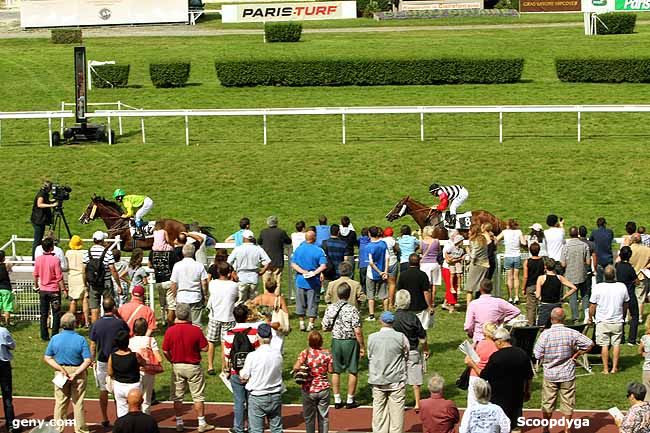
[183,342]
[438,415]
[128,311]
[47,269]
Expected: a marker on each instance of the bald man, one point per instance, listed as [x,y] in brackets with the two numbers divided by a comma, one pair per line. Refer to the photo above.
[135,421]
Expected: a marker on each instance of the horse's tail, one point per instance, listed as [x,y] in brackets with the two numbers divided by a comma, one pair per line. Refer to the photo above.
[206,231]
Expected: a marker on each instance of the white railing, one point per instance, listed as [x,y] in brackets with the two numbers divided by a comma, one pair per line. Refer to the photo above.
[120,107]
[264,113]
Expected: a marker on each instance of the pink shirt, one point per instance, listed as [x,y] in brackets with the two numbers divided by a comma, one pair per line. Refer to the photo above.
[159,241]
[47,269]
[484,349]
[487,309]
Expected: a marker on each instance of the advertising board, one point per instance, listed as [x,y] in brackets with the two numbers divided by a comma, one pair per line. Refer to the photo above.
[550,5]
[255,13]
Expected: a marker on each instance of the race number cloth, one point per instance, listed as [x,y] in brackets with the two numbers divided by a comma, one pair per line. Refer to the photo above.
[463,220]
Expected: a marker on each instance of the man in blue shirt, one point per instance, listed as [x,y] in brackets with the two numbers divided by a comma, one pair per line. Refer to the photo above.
[603,238]
[322,230]
[334,248]
[308,262]
[363,242]
[377,272]
[7,344]
[238,236]
[69,355]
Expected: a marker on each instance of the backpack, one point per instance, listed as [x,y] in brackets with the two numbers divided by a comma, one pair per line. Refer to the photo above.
[95,269]
[241,347]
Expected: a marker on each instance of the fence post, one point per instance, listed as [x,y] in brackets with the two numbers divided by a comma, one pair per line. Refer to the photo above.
[144,138]
[110,139]
[62,123]
[49,127]
[265,132]
[579,127]
[343,126]
[13,245]
[421,125]
[500,126]
[187,130]
[119,117]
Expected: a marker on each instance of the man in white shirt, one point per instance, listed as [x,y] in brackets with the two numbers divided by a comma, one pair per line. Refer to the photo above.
[246,259]
[554,236]
[190,283]
[262,374]
[607,305]
[223,296]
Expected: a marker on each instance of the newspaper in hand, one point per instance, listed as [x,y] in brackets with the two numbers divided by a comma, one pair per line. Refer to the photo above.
[59,380]
[616,413]
[467,349]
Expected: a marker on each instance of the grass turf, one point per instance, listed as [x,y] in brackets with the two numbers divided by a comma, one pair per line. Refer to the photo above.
[305,171]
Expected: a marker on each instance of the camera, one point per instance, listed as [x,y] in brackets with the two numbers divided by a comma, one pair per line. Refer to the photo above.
[60,192]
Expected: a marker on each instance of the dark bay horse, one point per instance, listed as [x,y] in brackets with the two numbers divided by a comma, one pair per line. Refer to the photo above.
[423,216]
[111,213]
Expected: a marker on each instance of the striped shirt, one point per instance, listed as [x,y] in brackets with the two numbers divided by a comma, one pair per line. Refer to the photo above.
[555,349]
[452,191]
[95,253]
[230,336]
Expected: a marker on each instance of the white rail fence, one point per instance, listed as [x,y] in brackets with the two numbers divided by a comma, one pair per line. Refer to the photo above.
[264,113]
[120,107]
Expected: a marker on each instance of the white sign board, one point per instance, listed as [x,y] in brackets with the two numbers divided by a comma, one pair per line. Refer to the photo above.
[443,4]
[63,13]
[255,13]
[598,6]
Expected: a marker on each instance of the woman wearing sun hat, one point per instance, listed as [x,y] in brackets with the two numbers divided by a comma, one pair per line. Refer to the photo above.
[76,277]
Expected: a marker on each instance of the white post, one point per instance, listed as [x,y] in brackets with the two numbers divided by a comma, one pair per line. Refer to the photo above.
[422,126]
[119,118]
[579,134]
[110,139]
[265,132]
[500,126]
[187,130]
[343,126]
[49,128]
[13,245]
[62,124]
[144,138]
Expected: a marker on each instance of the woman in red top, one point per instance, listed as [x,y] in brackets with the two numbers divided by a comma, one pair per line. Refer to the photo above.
[316,390]
[484,349]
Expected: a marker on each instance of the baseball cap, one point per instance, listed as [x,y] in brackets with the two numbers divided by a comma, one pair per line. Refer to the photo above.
[99,235]
[264,330]
[388,231]
[247,234]
[458,238]
[272,221]
[537,227]
[138,290]
[387,317]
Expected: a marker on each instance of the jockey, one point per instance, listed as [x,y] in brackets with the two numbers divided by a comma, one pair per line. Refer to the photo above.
[139,204]
[451,196]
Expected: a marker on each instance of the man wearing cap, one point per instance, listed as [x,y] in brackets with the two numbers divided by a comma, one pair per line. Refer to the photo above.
[273,239]
[603,238]
[190,283]
[247,259]
[95,294]
[262,374]
[136,309]
[308,261]
[387,355]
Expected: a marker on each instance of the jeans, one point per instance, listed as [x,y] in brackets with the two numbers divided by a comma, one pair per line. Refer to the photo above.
[316,406]
[48,299]
[7,389]
[362,279]
[573,301]
[39,232]
[265,406]
[633,307]
[599,272]
[240,398]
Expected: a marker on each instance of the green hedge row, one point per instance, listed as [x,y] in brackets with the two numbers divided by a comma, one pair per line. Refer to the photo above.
[66,36]
[603,70]
[282,32]
[368,72]
[616,23]
[172,74]
[106,76]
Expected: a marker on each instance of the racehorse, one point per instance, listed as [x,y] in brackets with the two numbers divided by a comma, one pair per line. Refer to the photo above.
[111,213]
[424,216]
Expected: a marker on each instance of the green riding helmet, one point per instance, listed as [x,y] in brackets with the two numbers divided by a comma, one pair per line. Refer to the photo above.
[118,193]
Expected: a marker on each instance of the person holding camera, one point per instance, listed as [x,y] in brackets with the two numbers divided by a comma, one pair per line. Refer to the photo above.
[41,213]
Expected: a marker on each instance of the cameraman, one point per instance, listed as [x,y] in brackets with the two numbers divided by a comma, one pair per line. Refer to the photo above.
[41,213]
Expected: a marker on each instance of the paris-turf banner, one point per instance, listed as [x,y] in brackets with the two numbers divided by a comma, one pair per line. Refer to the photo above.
[60,13]
[550,5]
[632,5]
[266,12]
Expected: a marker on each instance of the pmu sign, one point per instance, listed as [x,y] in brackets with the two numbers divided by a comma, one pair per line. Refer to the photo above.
[251,13]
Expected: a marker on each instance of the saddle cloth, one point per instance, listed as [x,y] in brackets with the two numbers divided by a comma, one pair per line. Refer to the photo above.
[147,229]
[463,220]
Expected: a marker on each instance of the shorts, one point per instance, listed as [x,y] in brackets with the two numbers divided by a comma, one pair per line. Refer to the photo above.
[190,375]
[376,289]
[307,302]
[217,331]
[609,334]
[414,368]
[101,371]
[511,263]
[565,390]
[161,289]
[392,270]
[95,296]
[433,272]
[345,354]
[6,301]
[456,268]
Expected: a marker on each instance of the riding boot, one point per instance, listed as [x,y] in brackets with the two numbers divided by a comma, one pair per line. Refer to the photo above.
[451,221]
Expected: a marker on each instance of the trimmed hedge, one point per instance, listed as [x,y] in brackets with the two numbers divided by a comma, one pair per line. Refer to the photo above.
[365,8]
[172,74]
[66,36]
[368,72]
[282,32]
[617,23]
[603,70]
[105,76]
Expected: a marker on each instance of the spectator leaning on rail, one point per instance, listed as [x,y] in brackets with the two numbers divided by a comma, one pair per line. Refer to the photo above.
[7,344]
[190,283]
[247,259]
[437,414]
[135,421]
[238,236]
[387,362]
[356,295]
[48,281]
[136,309]
[69,355]
[486,309]
[557,348]
[309,261]
[273,240]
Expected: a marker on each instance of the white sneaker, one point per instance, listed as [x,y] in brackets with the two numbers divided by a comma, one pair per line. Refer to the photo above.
[516,300]
[310,327]
[510,300]
[370,319]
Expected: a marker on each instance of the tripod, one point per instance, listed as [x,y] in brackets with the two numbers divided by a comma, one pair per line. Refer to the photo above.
[59,217]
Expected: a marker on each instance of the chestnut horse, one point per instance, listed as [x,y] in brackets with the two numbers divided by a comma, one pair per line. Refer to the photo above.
[424,216]
[111,213]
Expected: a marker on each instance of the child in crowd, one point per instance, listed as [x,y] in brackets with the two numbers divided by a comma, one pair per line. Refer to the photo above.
[6,295]
[161,240]
[644,350]
[452,270]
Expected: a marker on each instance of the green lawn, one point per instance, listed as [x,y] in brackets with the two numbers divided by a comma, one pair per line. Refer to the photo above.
[304,171]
